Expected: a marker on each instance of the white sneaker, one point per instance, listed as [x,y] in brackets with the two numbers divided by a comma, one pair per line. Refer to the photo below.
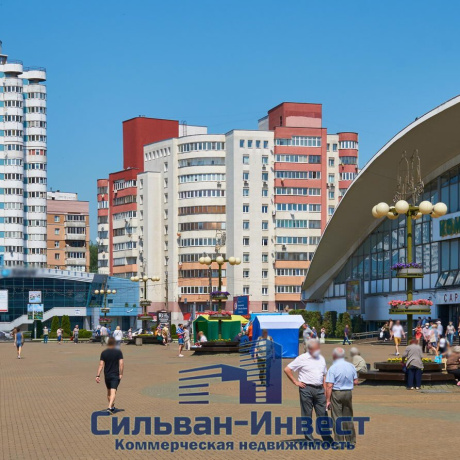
[181,356]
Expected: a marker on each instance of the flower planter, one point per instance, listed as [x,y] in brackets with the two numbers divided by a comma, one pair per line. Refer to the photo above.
[220,297]
[145,317]
[219,343]
[105,320]
[409,273]
[105,310]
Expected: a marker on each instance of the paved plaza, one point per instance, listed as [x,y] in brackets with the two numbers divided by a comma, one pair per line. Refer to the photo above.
[47,398]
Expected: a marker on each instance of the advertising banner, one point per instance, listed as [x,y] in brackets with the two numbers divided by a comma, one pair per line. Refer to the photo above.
[35,311]
[35,296]
[354,297]
[164,318]
[241,305]
[4,300]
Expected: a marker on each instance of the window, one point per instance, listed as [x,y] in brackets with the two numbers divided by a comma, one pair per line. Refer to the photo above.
[314,240]
[301,141]
[291,240]
[189,210]
[314,207]
[291,191]
[348,176]
[264,257]
[245,256]
[57,256]
[264,274]
[328,147]
[265,160]
[56,231]
[331,195]
[314,224]
[264,241]
[165,166]
[165,183]
[291,223]
[245,273]
[330,162]
[56,244]
[245,159]
[245,290]
[265,176]
[265,225]
[202,161]
[201,178]
[315,159]
[330,210]
[195,146]
[265,192]
[245,175]
[56,218]
[331,178]
[246,241]
[334,147]
[241,143]
[348,144]
[249,144]
[245,192]
[245,208]
[349,160]
[264,306]
[257,144]
[245,224]
[264,290]
[265,144]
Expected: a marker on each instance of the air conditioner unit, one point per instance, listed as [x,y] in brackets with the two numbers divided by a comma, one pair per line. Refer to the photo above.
[283,247]
[246,182]
[265,183]
[273,213]
[180,264]
[264,167]
[219,184]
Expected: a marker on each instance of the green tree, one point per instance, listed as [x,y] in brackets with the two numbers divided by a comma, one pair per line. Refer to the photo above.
[39,329]
[329,323]
[357,324]
[344,318]
[93,257]
[54,324]
[66,324]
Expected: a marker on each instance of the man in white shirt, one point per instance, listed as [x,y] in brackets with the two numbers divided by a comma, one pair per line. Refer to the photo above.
[104,335]
[311,368]
[398,334]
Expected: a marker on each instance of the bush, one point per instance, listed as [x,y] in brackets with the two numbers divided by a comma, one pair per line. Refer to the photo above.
[55,324]
[65,324]
[357,324]
[330,322]
[85,334]
[312,318]
[53,335]
[173,329]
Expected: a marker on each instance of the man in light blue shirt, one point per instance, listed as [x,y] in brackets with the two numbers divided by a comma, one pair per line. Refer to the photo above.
[340,380]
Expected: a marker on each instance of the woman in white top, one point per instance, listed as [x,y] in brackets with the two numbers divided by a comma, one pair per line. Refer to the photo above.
[118,336]
[201,337]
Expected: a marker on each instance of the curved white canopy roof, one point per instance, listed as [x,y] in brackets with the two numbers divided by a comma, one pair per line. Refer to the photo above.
[436,135]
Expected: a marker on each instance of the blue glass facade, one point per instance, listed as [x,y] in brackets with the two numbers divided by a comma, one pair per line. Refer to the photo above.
[69,290]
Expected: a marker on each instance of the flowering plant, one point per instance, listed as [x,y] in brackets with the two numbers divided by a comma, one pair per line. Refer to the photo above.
[401,265]
[147,314]
[220,293]
[408,303]
[220,313]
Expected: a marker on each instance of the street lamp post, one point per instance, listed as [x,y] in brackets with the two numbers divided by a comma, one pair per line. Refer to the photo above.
[206,260]
[145,317]
[412,212]
[105,292]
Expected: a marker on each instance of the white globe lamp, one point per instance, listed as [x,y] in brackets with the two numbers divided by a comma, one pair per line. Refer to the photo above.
[382,209]
[402,206]
[440,209]
[231,260]
[425,207]
[237,260]
[220,260]
[391,215]
[374,212]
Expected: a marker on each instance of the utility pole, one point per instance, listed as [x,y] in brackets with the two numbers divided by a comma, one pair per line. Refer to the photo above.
[166,291]
[210,287]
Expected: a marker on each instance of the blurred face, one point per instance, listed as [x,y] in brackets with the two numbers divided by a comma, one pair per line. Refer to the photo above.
[265,334]
[315,349]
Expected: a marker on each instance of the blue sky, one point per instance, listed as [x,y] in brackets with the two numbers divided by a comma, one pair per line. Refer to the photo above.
[375,67]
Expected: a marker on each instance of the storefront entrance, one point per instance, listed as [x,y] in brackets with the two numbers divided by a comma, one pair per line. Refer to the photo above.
[448,313]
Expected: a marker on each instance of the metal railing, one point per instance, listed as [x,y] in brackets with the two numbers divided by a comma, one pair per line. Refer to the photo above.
[41,69]
[365,335]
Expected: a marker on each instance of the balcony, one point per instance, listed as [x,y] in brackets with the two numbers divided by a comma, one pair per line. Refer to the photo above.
[34,73]
[13,66]
[74,223]
[73,262]
[75,237]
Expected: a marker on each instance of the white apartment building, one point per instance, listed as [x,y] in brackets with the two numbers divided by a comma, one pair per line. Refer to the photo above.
[23,163]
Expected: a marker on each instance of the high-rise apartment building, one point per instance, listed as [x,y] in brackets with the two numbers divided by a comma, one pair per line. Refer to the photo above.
[68,232]
[22,164]
[268,193]
[117,196]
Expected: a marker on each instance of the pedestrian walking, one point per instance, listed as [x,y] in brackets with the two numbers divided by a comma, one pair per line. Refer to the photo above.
[264,354]
[413,356]
[104,335]
[59,335]
[180,337]
[165,335]
[398,334]
[418,334]
[118,336]
[346,331]
[434,338]
[440,328]
[311,368]
[450,331]
[76,331]
[340,380]
[45,334]
[112,362]
[187,339]
[19,341]
[426,331]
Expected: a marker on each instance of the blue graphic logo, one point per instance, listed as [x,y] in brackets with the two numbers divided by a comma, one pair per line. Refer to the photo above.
[259,375]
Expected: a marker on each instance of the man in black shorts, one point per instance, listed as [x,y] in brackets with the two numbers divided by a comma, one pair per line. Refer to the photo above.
[112,363]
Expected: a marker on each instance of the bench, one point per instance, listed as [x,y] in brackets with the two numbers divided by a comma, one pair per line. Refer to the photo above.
[401,377]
